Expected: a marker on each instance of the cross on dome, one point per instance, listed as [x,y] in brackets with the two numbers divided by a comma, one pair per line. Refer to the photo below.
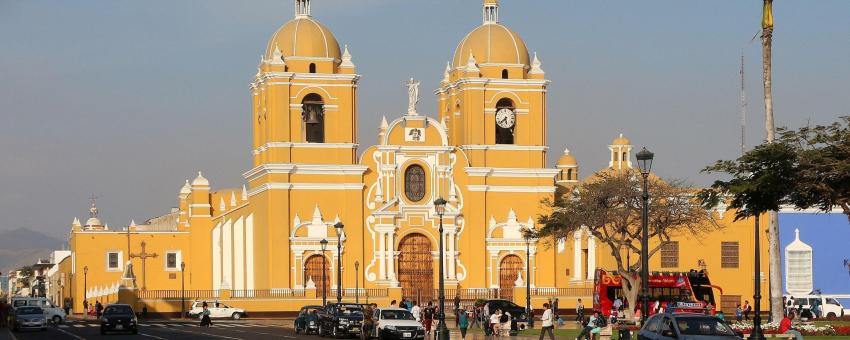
[491,11]
[302,8]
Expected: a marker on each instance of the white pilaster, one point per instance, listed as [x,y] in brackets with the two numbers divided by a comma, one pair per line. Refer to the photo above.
[591,257]
[577,256]
[382,270]
[227,251]
[452,261]
[216,256]
[391,255]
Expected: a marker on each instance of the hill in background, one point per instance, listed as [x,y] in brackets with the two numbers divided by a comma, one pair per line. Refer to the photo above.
[20,247]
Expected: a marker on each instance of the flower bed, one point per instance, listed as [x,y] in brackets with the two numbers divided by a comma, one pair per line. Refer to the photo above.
[805,329]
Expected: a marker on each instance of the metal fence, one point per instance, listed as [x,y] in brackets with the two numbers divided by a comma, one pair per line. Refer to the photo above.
[561,292]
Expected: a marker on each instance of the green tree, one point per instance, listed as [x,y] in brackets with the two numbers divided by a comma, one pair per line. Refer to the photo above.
[823,177]
[609,206]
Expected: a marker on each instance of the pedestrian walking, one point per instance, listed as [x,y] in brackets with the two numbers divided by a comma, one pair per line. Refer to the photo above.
[86,309]
[457,309]
[428,318]
[747,309]
[547,322]
[556,312]
[368,322]
[98,308]
[579,311]
[205,316]
[463,323]
[416,311]
[739,313]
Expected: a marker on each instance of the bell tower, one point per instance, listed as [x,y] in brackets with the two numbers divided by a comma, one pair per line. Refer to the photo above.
[493,97]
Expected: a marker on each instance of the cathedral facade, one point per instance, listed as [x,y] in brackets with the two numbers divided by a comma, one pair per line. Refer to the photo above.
[312,200]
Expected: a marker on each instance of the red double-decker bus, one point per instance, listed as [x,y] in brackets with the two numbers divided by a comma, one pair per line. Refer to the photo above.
[675,291]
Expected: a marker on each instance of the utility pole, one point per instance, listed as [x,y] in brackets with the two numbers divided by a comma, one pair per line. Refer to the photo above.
[770,128]
[743,109]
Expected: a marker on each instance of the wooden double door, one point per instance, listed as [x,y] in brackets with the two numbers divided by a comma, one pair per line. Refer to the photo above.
[416,268]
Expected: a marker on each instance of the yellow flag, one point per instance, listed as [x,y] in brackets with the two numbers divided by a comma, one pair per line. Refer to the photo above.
[767,15]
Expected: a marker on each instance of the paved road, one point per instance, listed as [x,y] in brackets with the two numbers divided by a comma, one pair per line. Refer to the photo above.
[160,330]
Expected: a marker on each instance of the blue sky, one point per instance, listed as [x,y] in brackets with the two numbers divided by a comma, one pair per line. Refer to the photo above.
[126,99]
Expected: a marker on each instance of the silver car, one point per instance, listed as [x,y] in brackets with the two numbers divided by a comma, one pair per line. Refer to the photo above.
[29,317]
[686,326]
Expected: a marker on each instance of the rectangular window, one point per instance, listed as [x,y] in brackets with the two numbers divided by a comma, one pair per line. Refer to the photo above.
[670,255]
[171,260]
[729,255]
[112,260]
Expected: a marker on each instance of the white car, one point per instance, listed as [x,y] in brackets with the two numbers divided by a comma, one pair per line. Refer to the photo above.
[52,313]
[217,310]
[397,323]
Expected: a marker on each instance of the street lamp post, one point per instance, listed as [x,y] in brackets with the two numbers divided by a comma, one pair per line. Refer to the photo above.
[339,227]
[757,333]
[356,282]
[644,160]
[85,289]
[529,317]
[182,289]
[324,244]
[440,207]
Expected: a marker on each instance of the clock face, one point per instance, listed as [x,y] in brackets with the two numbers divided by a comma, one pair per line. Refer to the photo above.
[505,118]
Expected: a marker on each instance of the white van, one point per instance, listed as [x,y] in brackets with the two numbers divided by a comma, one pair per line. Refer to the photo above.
[51,311]
[829,307]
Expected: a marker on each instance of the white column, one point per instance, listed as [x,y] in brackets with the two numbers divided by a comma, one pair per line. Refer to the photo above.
[216,256]
[227,253]
[249,252]
[493,269]
[577,256]
[382,270]
[452,261]
[591,257]
[239,254]
[391,255]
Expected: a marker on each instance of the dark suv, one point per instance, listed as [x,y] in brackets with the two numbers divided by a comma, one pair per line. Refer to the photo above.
[340,319]
[671,326]
[517,312]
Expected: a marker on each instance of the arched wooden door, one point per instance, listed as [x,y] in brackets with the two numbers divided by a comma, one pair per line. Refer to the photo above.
[509,268]
[416,268]
[313,270]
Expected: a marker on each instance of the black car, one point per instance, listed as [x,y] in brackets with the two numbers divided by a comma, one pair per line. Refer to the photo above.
[671,326]
[307,321]
[517,312]
[340,319]
[120,318]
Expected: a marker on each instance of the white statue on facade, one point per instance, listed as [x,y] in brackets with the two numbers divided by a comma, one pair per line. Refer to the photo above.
[412,96]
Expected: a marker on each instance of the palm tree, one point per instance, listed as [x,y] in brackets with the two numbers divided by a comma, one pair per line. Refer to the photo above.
[773,216]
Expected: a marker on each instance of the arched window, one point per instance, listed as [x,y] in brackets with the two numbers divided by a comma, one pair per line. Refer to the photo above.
[414,183]
[624,157]
[505,74]
[505,121]
[312,68]
[570,174]
[313,116]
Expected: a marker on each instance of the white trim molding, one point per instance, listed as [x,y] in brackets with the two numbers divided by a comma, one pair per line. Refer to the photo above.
[271,145]
[306,186]
[510,188]
[504,147]
[306,169]
[512,172]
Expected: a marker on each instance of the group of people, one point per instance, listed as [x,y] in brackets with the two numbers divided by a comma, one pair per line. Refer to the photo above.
[798,306]
[95,310]
[743,312]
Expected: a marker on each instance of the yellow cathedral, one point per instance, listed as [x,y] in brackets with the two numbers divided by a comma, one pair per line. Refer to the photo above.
[484,152]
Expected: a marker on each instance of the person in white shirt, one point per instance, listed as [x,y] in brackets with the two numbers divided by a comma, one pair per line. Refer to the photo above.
[416,311]
[495,325]
[505,326]
[547,322]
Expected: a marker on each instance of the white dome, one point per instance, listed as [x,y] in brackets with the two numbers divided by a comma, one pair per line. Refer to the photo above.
[200,181]
[186,189]
[93,222]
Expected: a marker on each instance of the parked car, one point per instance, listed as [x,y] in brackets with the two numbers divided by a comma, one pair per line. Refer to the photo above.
[829,307]
[305,322]
[217,310]
[29,317]
[120,318]
[517,312]
[340,319]
[52,312]
[397,323]
[667,326]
